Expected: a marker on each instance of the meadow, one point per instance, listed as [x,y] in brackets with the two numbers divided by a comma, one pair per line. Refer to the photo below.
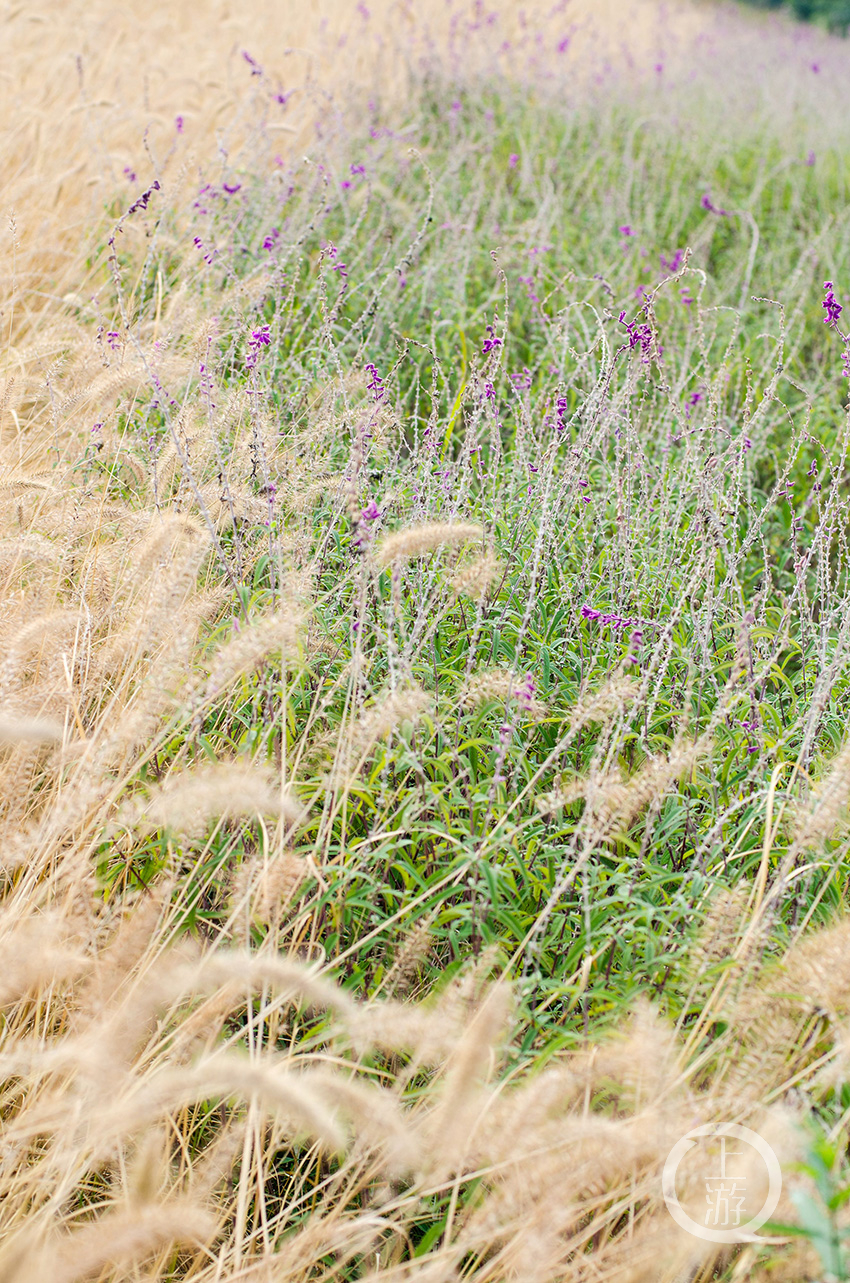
[425,636]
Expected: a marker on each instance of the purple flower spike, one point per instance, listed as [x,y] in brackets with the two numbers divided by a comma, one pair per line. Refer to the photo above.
[259,339]
[491,341]
[376,383]
[833,308]
[709,205]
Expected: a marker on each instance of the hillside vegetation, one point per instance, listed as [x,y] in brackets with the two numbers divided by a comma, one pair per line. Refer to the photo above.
[425,637]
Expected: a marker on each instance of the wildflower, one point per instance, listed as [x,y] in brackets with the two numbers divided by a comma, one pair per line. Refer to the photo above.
[271,239]
[639,335]
[626,230]
[708,204]
[525,691]
[371,512]
[674,262]
[231,188]
[491,342]
[513,160]
[142,201]
[635,643]
[833,308]
[178,124]
[810,159]
[259,339]
[376,383]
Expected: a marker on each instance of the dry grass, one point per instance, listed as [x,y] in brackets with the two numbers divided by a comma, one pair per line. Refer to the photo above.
[190,1090]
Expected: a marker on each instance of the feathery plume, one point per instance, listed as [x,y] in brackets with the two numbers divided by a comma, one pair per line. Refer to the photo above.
[416,540]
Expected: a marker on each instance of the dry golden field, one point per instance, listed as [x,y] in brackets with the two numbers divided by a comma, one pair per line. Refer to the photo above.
[424,634]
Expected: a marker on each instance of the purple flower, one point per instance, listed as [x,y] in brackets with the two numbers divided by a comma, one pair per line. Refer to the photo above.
[142,201]
[259,339]
[231,188]
[491,342]
[375,384]
[635,643]
[371,512]
[639,336]
[833,308]
[708,204]
[810,159]
[525,691]
[178,124]
[513,160]
[271,239]
[626,230]
[256,69]
[674,262]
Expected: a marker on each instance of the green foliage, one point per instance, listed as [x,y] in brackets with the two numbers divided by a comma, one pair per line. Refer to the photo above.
[825,1166]
[835,14]
[691,484]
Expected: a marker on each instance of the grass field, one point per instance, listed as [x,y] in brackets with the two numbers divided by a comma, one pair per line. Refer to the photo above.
[425,638]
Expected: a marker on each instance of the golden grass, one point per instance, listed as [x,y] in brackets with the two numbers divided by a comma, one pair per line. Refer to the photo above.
[136,1140]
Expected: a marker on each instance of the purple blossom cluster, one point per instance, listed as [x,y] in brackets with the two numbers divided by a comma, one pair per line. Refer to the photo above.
[491,342]
[376,383]
[833,311]
[141,202]
[259,340]
[525,692]
[674,262]
[639,336]
[608,619]
[709,205]
[831,304]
